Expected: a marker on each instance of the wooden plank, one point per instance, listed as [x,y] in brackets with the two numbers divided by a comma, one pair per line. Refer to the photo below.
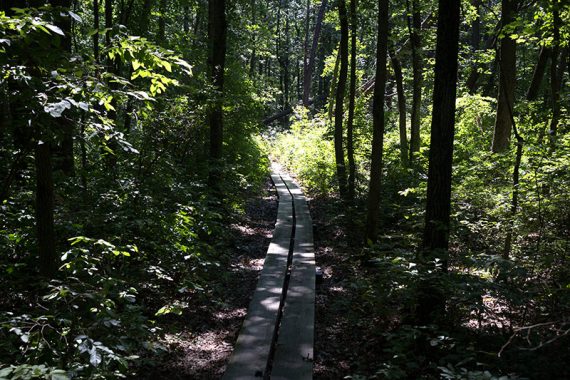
[293,357]
[251,356]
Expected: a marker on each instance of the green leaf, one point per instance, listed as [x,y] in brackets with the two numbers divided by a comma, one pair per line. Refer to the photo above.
[55,29]
[94,357]
[56,109]
[75,16]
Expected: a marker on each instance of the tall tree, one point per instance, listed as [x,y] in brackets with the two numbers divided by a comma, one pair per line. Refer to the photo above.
[398,76]
[555,79]
[414,26]
[431,299]
[378,124]
[538,73]
[339,108]
[438,206]
[96,27]
[217,30]
[309,63]
[507,78]
[351,103]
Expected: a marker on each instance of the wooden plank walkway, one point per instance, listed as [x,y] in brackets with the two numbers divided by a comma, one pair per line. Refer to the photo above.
[276,339]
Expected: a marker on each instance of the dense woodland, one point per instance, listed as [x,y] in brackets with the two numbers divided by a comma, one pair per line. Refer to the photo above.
[433,138]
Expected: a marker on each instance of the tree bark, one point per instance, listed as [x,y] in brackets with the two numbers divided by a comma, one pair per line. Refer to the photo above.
[108,21]
[507,78]
[253,58]
[162,22]
[538,73]
[378,125]
[217,29]
[64,154]
[351,105]
[334,81]
[555,80]
[472,82]
[96,27]
[45,209]
[414,26]
[339,109]
[396,65]
[310,64]
[438,206]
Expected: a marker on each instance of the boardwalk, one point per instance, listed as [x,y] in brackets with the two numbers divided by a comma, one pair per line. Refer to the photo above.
[276,339]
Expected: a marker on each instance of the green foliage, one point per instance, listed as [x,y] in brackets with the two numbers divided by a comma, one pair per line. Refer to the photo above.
[307,151]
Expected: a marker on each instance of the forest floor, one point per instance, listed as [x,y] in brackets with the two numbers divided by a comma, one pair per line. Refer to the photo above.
[200,345]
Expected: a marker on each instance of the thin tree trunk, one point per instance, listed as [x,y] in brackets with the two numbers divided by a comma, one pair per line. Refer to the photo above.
[96,27]
[186,19]
[401,108]
[217,28]
[65,158]
[507,78]
[310,64]
[45,209]
[472,82]
[339,108]
[162,22]
[516,175]
[378,125]
[332,91]
[555,80]
[306,41]
[108,21]
[351,105]
[253,58]
[286,61]
[538,74]
[414,26]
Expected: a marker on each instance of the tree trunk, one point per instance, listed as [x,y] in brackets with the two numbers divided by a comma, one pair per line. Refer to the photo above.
[286,61]
[472,82]
[45,209]
[538,73]
[253,58]
[332,91]
[431,297]
[378,125]
[217,29]
[186,19]
[507,78]
[351,105]
[414,26]
[96,27]
[310,64]
[65,159]
[108,21]
[555,80]
[339,108]
[401,108]
[162,22]
[436,233]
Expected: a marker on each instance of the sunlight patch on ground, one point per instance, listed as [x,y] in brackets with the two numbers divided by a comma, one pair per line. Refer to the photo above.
[494,314]
[249,264]
[230,314]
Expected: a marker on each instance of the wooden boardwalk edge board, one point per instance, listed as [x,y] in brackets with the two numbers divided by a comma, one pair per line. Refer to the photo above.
[251,354]
[293,350]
